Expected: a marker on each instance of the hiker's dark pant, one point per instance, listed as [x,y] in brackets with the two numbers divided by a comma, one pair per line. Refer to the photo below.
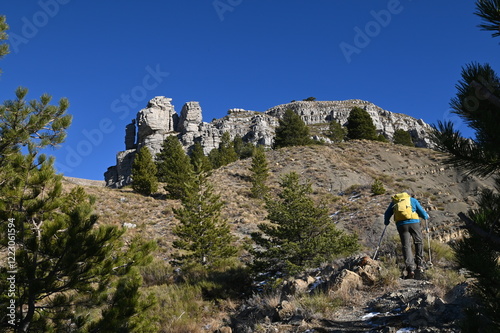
[407,232]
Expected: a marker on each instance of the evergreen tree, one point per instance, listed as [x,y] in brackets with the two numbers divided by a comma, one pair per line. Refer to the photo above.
[292,131]
[360,125]
[336,132]
[478,103]
[203,236]
[144,179]
[198,155]
[402,137]
[4,47]
[173,167]
[489,11]
[63,260]
[242,149]
[378,187]
[238,145]
[300,233]
[225,154]
[381,138]
[214,158]
[260,173]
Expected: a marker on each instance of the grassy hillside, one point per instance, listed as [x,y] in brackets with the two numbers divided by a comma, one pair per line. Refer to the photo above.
[341,176]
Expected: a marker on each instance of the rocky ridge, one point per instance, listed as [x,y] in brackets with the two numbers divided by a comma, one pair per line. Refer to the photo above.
[159,120]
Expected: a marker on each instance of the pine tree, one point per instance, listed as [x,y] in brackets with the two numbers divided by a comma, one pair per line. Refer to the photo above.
[63,260]
[478,103]
[243,149]
[144,179]
[214,158]
[260,173]
[489,11]
[402,137]
[174,167]
[226,150]
[292,131]
[300,233]
[360,125]
[238,145]
[4,47]
[336,132]
[199,159]
[225,154]
[203,236]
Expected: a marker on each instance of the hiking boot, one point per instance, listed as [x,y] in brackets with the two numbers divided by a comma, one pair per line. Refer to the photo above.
[419,273]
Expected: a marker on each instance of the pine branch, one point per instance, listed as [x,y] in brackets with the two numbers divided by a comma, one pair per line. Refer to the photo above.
[472,226]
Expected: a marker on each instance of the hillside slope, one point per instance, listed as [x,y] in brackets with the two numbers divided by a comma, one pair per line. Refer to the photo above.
[341,176]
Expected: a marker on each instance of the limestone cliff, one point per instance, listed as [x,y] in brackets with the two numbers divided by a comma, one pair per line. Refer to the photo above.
[159,120]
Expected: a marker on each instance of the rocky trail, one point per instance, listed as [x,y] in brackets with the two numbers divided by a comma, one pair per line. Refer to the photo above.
[413,307]
[405,305]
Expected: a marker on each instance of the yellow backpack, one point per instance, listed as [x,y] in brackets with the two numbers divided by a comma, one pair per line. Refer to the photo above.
[402,207]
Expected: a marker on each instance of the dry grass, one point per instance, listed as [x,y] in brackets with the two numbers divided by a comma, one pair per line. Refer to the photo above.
[444,279]
[179,308]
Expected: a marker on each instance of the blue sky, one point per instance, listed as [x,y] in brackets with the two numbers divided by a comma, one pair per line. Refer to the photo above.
[110,57]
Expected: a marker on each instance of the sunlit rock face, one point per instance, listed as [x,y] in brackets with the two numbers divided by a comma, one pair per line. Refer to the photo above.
[159,120]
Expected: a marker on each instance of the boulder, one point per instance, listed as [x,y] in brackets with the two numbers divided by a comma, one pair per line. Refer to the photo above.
[155,122]
[346,282]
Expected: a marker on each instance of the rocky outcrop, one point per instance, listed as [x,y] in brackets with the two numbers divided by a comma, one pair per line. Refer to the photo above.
[386,122]
[159,120]
[155,123]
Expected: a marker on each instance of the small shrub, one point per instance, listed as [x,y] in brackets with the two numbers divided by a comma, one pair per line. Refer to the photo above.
[440,251]
[390,273]
[319,305]
[378,187]
[179,308]
[156,273]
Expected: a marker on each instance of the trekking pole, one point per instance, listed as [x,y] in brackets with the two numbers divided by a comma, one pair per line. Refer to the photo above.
[428,241]
[379,242]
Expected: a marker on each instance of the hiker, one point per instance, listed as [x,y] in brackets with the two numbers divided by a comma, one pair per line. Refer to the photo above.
[407,212]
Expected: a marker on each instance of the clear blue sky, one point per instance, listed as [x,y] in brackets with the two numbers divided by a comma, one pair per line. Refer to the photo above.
[110,57]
